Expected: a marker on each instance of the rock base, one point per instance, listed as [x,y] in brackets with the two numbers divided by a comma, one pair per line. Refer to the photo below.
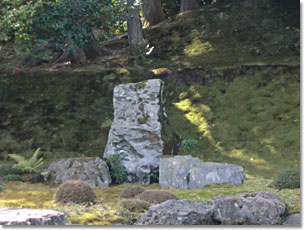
[10,216]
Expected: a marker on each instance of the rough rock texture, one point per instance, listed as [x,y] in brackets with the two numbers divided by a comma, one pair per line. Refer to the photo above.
[293,220]
[136,133]
[189,172]
[257,208]
[94,172]
[177,212]
[9,216]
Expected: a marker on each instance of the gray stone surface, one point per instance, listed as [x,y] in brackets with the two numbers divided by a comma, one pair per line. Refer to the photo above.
[177,212]
[136,131]
[189,172]
[95,172]
[293,220]
[257,208]
[10,216]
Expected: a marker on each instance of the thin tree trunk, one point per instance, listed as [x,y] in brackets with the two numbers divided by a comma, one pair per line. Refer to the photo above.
[187,5]
[134,27]
[152,12]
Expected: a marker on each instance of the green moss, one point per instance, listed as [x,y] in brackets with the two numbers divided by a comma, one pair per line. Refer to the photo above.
[251,120]
[141,85]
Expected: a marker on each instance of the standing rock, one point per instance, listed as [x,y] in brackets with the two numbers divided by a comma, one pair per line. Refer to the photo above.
[138,132]
[13,216]
[94,172]
[189,172]
[177,212]
[257,208]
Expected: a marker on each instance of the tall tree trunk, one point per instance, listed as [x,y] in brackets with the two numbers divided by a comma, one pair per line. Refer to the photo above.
[152,12]
[187,5]
[134,27]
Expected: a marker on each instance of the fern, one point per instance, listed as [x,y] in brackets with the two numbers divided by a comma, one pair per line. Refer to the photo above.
[34,164]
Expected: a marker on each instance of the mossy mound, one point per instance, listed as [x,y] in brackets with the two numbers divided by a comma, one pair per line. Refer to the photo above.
[75,191]
[155,196]
[132,191]
[135,205]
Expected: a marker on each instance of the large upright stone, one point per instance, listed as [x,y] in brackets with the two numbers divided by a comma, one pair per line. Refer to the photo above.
[189,172]
[136,133]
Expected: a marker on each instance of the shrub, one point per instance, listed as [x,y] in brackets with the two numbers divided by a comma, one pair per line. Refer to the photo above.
[1,186]
[118,172]
[12,177]
[34,164]
[8,169]
[132,191]
[155,196]
[189,144]
[287,178]
[135,205]
[75,191]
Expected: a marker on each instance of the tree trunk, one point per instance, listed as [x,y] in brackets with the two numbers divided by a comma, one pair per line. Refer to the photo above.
[152,12]
[134,27]
[82,54]
[187,5]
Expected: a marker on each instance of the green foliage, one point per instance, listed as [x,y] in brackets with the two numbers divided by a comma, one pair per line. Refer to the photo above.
[189,144]
[106,124]
[1,186]
[12,177]
[287,178]
[154,177]
[34,164]
[8,169]
[56,24]
[135,205]
[118,172]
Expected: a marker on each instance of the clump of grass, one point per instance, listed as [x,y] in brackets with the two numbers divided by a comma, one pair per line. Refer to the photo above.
[287,178]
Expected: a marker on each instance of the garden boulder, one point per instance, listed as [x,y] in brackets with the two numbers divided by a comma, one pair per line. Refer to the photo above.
[14,216]
[94,172]
[257,208]
[177,212]
[138,132]
[189,172]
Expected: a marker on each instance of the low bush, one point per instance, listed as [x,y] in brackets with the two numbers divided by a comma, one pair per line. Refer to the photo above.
[156,196]
[75,191]
[12,177]
[132,191]
[118,172]
[1,186]
[287,178]
[8,169]
[135,205]
[189,144]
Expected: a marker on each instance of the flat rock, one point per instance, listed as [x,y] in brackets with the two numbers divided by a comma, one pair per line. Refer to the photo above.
[94,172]
[9,216]
[257,208]
[136,133]
[293,220]
[189,172]
[177,212]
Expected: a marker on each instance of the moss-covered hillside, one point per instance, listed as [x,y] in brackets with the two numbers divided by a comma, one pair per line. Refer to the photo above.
[232,83]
